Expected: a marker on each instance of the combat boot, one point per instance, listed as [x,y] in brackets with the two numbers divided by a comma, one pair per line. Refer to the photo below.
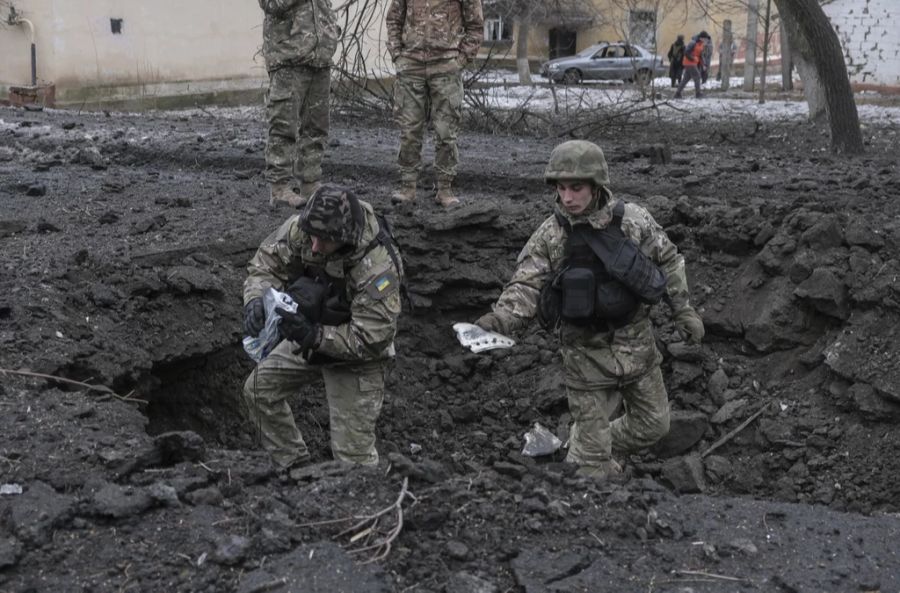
[445,196]
[307,189]
[405,193]
[283,193]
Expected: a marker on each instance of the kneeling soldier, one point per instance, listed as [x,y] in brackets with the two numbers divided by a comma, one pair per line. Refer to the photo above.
[591,271]
[338,261]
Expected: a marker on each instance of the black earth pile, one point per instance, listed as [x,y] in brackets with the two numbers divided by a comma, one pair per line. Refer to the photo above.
[123,241]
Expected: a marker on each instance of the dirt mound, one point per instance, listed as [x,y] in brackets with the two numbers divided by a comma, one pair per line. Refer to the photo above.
[124,241]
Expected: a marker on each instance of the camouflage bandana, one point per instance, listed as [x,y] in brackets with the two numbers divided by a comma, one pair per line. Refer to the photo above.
[333,212]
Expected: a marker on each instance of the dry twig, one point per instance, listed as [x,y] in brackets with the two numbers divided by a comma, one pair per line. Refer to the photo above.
[88,386]
[737,430]
[366,535]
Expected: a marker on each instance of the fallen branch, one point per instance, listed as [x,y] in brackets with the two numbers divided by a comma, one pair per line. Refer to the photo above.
[365,533]
[737,430]
[88,386]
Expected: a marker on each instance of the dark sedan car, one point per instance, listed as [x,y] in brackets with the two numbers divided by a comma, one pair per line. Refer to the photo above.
[606,61]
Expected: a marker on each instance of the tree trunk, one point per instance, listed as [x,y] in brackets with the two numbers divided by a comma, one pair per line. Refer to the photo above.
[726,56]
[817,36]
[750,56]
[765,56]
[787,62]
[522,65]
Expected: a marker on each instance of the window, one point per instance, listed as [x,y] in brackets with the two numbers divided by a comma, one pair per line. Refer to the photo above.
[115,25]
[497,29]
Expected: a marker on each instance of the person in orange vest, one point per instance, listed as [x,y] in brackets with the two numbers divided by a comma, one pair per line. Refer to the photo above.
[692,61]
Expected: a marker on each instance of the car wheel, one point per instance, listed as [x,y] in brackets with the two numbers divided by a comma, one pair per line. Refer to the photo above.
[643,77]
[571,76]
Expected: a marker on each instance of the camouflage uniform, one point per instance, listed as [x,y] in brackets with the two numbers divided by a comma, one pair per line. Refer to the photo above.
[430,41]
[600,366]
[356,350]
[299,39]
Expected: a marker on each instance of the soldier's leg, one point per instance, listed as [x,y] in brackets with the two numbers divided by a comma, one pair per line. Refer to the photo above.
[411,109]
[314,123]
[282,111]
[646,418]
[355,395]
[280,375]
[446,113]
[590,440]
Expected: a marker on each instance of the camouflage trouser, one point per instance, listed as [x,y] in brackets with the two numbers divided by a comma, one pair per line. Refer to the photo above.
[646,420]
[297,113]
[355,393]
[421,87]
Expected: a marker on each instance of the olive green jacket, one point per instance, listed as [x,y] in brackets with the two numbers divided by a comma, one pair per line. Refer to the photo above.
[435,30]
[372,286]
[298,33]
[594,358]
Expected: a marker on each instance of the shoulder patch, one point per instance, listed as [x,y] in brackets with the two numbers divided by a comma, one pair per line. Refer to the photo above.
[383,285]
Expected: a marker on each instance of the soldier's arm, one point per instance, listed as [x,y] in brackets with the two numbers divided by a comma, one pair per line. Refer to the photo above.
[373,319]
[657,246]
[473,23]
[275,263]
[518,303]
[394,21]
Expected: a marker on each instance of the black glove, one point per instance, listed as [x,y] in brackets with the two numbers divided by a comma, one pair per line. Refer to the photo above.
[254,317]
[298,329]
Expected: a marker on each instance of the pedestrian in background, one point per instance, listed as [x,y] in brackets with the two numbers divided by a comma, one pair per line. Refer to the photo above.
[723,58]
[430,41]
[706,64]
[299,40]
[676,55]
[693,59]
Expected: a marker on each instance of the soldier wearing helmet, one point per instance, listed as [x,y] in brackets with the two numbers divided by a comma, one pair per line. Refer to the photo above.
[339,263]
[599,308]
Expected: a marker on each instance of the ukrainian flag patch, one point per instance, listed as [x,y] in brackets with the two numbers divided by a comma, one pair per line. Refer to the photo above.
[382,286]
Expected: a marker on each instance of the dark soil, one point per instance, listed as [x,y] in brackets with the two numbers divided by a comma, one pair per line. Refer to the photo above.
[123,241]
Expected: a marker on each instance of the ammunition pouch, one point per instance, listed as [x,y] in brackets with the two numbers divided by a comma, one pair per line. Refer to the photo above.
[636,271]
[550,305]
[579,293]
[606,277]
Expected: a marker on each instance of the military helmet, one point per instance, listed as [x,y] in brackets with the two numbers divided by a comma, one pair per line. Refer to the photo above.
[577,159]
[334,213]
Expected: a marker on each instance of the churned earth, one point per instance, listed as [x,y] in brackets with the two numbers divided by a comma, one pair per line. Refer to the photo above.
[125,464]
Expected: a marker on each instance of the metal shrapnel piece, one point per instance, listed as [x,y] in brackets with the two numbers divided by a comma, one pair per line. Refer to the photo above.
[477,339]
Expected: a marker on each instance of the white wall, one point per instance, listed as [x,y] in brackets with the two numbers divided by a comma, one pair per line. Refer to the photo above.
[869,31]
[166,46]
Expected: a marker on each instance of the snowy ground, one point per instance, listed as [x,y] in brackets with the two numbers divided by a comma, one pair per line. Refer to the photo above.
[505,92]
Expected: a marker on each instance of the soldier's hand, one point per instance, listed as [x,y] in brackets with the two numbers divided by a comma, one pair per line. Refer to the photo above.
[298,329]
[689,325]
[491,322]
[254,317]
